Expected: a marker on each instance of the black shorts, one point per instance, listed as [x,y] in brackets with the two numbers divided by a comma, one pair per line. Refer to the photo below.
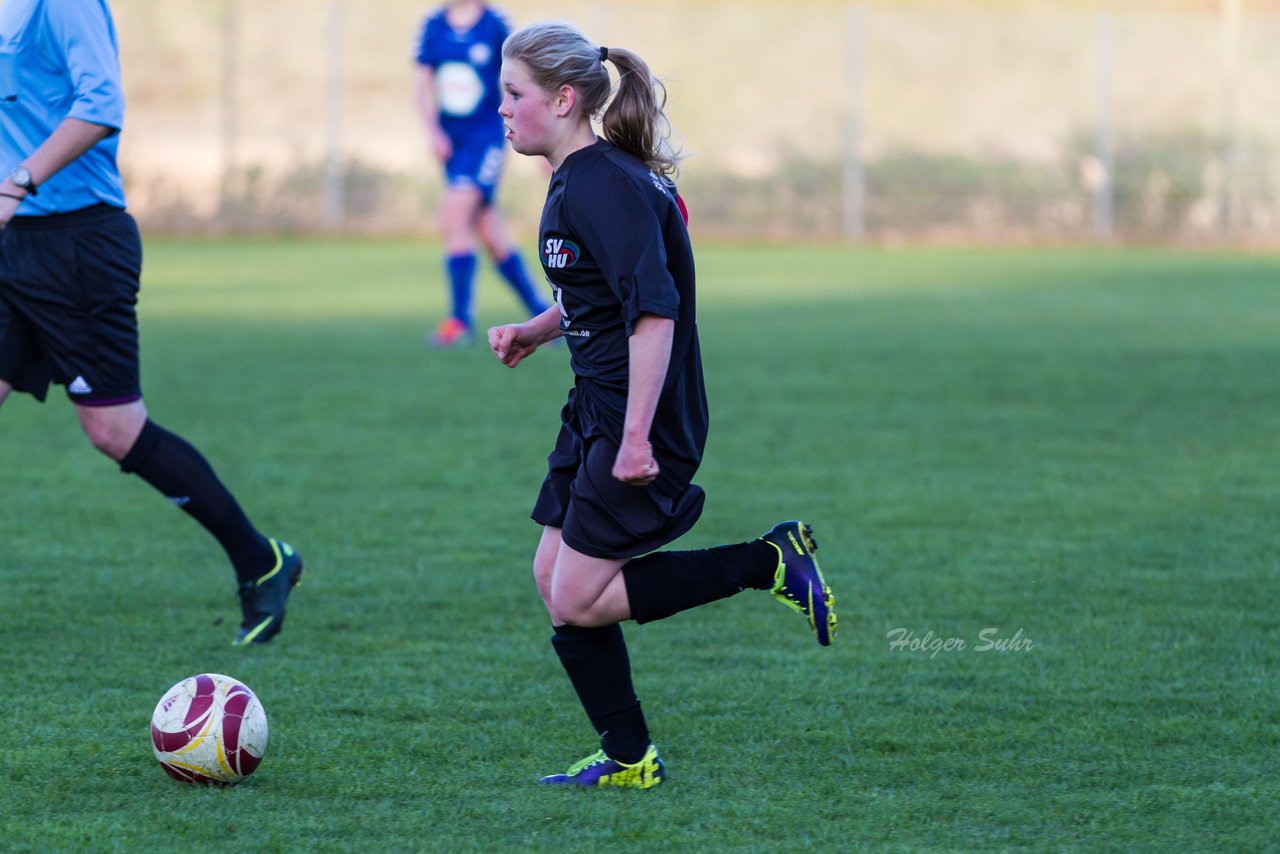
[68,294]
[600,515]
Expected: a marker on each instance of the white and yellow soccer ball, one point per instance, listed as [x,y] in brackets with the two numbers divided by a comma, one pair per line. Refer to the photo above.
[209,729]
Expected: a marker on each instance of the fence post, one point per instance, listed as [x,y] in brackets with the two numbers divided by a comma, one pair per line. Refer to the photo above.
[229,102]
[855,182]
[1105,192]
[334,207]
[1231,203]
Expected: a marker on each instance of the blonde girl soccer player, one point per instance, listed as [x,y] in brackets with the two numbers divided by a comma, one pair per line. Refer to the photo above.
[614,245]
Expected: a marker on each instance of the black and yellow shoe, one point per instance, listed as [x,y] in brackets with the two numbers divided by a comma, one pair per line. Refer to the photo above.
[262,602]
[798,582]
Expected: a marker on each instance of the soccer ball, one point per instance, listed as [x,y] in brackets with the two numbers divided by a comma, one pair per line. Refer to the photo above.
[209,729]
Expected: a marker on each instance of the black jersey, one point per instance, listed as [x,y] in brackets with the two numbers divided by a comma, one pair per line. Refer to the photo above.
[615,247]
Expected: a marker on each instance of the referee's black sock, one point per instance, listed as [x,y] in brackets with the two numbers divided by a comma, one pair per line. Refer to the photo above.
[600,670]
[184,476]
[666,583]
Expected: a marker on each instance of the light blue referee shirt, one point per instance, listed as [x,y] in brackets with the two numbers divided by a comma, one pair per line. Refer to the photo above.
[59,59]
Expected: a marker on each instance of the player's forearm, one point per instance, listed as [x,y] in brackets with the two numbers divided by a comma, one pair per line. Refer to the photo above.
[545,326]
[69,140]
[425,95]
[650,355]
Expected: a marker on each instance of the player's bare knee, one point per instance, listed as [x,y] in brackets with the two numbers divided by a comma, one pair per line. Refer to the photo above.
[584,615]
[564,618]
[542,571]
[498,248]
[109,439]
[106,443]
[543,567]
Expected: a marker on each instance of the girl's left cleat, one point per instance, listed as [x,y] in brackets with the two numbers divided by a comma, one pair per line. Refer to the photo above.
[599,770]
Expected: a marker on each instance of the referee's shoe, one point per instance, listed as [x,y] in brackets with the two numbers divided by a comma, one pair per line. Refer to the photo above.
[798,581]
[262,601]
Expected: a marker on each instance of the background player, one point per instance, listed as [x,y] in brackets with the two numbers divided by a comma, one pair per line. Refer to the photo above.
[70,260]
[619,484]
[459,56]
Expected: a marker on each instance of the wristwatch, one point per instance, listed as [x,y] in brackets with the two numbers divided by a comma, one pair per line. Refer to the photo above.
[21,178]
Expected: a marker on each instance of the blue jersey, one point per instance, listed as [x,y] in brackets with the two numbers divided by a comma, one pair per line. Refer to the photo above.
[59,59]
[466,66]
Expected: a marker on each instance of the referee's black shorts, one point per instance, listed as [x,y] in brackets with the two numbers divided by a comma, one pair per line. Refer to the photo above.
[68,297]
[598,514]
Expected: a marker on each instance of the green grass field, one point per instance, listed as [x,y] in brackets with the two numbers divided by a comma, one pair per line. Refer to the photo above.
[1082,446]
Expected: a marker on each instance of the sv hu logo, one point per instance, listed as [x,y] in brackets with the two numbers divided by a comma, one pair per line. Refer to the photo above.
[558,253]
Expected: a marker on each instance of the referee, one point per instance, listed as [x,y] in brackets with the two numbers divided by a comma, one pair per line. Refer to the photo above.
[70,261]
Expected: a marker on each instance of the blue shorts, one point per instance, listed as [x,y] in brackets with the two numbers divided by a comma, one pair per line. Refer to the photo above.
[478,166]
[68,293]
[599,515]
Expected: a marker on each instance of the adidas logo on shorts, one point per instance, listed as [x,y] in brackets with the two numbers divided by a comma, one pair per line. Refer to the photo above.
[79,386]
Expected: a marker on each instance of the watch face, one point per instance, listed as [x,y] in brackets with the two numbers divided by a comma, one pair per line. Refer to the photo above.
[21,177]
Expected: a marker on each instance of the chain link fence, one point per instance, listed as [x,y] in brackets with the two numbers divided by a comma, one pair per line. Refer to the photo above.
[808,120]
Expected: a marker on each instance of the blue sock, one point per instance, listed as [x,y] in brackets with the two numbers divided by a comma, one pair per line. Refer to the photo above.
[513,270]
[462,275]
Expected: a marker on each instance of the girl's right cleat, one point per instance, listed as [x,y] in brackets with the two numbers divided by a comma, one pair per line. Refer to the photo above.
[798,582]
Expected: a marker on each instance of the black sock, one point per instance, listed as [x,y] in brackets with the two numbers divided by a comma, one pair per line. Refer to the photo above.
[181,474]
[600,670]
[666,583]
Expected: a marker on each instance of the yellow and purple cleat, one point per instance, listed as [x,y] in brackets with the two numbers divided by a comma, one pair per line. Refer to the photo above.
[599,770]
[798,582]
